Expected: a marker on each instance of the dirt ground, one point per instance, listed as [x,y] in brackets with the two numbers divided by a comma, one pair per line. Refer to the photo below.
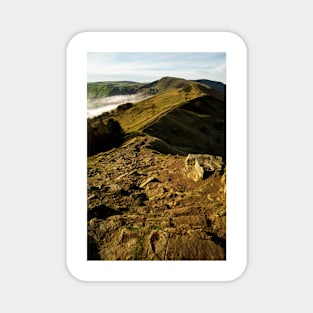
[142,206]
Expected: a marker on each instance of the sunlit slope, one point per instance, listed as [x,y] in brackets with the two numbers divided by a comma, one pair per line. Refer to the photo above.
[189,116]
[146,112]
[104,89]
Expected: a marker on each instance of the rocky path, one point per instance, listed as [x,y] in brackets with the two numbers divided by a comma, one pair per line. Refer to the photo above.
[141,206]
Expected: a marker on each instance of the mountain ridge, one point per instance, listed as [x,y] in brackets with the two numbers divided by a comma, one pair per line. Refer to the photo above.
[144,199]
[111,88]
[180,111]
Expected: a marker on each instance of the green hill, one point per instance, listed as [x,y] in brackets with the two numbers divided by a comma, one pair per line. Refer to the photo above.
[106,89]
[180,112]
[97,90]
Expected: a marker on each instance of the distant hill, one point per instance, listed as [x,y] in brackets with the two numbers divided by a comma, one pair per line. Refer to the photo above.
[218,86]
[97,90]
[106,89]
[166,83]
[188,115]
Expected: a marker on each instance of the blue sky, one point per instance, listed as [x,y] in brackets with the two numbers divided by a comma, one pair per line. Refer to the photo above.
[148,67]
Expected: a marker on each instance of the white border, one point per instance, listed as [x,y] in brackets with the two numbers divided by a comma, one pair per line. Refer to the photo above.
[236,81]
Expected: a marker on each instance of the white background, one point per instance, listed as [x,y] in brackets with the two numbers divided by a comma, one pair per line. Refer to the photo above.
[236,260]
[33,275]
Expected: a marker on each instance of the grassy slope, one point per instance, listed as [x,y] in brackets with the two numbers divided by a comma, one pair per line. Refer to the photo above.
[188,115]
[146,112]
[106,89]
[197,126]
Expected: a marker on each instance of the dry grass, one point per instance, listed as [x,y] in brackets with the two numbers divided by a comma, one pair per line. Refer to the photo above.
[146,112]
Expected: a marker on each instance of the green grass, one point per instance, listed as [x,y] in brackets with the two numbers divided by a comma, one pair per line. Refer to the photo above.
[142,232]
[138,251]
[107,89]
[147,111]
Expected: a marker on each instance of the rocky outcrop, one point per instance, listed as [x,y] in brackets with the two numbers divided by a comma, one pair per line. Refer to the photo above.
[141,206]
[199,166]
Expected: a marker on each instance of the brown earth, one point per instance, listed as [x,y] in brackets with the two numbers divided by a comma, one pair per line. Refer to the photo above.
[142,206]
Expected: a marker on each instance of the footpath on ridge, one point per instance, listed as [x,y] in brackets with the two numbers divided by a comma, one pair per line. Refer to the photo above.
[143,206]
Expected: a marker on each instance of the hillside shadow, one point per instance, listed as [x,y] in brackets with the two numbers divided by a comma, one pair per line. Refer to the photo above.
[198,126]
[102,212]
[92,249]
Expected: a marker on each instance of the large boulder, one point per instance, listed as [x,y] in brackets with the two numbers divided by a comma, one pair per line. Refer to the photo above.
[199,166]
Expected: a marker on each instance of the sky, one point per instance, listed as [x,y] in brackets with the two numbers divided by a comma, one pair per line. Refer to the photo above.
[148,67]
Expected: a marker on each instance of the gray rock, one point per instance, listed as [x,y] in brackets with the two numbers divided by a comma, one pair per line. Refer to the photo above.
[197,166]
[198,169]
[207,161]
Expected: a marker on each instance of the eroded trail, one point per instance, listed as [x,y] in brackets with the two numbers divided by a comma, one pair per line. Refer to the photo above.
[141,206]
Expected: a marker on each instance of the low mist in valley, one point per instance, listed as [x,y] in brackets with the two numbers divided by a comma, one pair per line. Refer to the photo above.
[96,107]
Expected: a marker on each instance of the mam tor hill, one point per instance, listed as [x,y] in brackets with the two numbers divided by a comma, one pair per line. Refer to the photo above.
[157,172]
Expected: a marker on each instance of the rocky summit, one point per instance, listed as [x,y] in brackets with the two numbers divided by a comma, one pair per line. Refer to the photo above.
[150,199]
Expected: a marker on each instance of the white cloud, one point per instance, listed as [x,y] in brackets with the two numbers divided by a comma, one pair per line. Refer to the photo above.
[152,66]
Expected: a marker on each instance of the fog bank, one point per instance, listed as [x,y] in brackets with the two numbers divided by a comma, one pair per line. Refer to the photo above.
[96,107]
